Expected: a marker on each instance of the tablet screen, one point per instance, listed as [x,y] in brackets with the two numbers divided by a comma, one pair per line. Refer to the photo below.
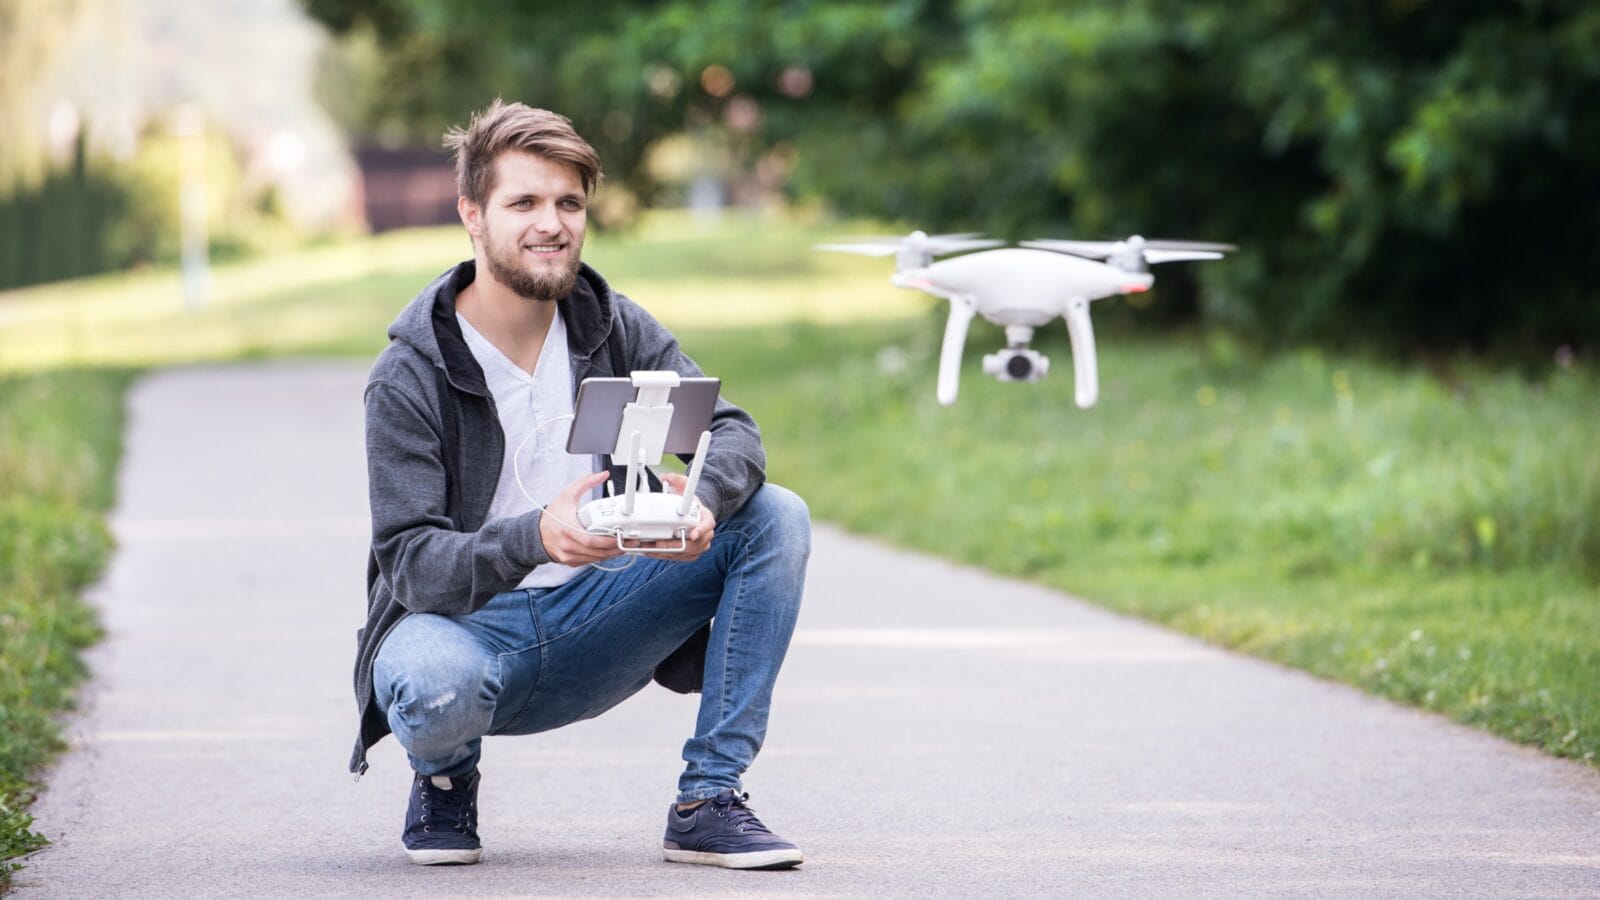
[598,415]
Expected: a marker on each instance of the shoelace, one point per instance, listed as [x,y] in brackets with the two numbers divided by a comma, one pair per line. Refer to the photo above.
[737,814]
[450,809]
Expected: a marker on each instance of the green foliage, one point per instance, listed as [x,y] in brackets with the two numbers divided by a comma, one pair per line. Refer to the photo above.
[1400,173]
[1405,173]
[632,73]
[16,835]
[1431,538]
[59,439]
[95,216]
[58,228]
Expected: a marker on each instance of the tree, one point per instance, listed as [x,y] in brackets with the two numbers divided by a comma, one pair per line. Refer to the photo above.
[1407,171]
[1414,170]
[31,34]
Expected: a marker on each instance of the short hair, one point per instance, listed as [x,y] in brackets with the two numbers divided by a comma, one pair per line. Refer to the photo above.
[516,126]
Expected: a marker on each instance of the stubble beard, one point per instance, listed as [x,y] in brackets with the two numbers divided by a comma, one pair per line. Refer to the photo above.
[531,285]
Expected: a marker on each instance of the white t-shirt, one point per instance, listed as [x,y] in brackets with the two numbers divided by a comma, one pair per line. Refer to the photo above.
[528,403]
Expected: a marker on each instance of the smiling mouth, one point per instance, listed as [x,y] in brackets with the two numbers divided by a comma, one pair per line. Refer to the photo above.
[544,248]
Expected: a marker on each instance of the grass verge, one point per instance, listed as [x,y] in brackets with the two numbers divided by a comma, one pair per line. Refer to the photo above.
[60,435]
[1437,542]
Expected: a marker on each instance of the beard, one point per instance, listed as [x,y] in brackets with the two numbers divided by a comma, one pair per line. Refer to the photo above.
[505,266]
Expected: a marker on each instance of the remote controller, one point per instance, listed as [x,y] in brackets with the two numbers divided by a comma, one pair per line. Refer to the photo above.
[638,516]
[655,517]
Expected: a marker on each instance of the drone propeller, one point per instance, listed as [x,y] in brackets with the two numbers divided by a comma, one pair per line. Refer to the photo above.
[916,249]
[1135,253]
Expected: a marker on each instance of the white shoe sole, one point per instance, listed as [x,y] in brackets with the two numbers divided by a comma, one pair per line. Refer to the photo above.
[760,859]
[444,857]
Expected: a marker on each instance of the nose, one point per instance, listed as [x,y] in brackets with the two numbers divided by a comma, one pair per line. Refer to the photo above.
[547,220]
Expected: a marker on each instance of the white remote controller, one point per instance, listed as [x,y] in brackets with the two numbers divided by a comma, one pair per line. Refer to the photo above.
[638,516]
[655,517]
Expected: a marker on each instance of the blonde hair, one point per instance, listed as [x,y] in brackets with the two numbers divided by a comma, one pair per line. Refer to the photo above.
[516,126]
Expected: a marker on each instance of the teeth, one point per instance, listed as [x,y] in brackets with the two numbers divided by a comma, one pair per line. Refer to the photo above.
[544,248]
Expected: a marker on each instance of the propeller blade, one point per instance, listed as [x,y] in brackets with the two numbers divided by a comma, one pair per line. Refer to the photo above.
[903,238]
[1091,249]
[917,242]
[1204,246]
[1152,248]
[942,245]
[1165,256]
[863,249]
[888,239]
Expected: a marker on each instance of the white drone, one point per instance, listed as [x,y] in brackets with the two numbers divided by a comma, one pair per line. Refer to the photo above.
[1023,289]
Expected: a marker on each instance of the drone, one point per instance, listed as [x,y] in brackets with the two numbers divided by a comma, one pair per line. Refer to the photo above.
[1023,288]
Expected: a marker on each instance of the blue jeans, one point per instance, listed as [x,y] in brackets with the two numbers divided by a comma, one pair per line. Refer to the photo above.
[535,660]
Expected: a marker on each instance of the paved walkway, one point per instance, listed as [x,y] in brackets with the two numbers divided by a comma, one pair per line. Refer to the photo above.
[937,731]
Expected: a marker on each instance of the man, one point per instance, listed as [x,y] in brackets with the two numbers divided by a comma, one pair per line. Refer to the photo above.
[486,612]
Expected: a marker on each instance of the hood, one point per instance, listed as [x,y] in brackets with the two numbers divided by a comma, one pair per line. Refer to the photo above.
[428,323]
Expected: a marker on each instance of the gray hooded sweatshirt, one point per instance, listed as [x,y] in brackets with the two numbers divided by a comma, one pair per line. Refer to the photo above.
[434,451]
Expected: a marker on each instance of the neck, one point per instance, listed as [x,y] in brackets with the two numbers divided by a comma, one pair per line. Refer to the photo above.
[515,325]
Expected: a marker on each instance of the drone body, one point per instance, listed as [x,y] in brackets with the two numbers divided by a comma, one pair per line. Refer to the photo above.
[1023,289]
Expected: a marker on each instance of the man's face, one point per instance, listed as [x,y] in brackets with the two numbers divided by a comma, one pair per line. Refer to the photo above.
[531,227]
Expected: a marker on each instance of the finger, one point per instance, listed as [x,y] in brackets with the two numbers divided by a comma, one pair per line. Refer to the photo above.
[675,481]
[601,546]
[586,555]
[690,549]
[586,484]
[585,546]
[603,537]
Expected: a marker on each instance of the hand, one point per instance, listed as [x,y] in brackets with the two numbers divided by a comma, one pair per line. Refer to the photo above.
[699,537]
[564,539]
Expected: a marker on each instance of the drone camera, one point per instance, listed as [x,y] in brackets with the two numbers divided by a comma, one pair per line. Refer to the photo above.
[1016,364]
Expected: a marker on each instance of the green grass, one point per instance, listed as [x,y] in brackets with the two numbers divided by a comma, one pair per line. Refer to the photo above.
[1434,542]
[60,434]
[1429,537]
[340,299]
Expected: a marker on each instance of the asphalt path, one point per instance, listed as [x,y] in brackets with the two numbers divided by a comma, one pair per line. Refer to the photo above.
[936,731]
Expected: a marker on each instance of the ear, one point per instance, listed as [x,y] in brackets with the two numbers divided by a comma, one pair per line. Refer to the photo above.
[471,216]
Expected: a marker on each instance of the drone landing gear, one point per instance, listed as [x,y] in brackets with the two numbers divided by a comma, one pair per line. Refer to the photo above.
[962,309]
[1085,368]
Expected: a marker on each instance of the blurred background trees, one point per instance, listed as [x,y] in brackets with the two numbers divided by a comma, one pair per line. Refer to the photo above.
[1414,174]
[91,96]
[1421,172]
[1425,174]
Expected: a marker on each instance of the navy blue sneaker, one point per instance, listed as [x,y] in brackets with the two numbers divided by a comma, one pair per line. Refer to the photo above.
[724,832]
[442,821]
